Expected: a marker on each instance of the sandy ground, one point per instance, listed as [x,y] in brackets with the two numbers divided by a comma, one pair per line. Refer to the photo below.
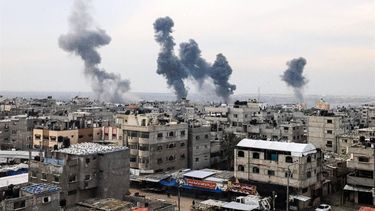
[185,202]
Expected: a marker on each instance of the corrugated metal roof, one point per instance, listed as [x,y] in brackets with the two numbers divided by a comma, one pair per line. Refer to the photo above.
[15,180]
[200,174]
[239,206]
[90,148]
[296,149]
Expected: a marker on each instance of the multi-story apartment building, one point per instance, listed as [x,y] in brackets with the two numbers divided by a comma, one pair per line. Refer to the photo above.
[199,138]
[156,143]
[323,131]
[267,163]
[241,113]
[360,186]
[367,116]
[83,171]
[292,132]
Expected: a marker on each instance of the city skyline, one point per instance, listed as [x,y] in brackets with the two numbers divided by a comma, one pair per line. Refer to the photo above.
[336,38]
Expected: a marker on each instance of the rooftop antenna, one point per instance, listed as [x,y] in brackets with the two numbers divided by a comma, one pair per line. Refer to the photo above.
[258,94]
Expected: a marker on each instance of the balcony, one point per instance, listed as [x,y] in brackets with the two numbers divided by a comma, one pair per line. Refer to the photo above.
[362,181]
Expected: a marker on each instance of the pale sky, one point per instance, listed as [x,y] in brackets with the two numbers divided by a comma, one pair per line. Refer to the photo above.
[336,37]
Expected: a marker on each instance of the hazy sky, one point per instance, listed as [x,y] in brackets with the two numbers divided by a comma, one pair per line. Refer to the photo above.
[336,37]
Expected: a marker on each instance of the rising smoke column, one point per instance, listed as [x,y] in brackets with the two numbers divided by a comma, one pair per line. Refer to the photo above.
[190,56]
[294,78]
[220,73]
[168,63]
[83,39]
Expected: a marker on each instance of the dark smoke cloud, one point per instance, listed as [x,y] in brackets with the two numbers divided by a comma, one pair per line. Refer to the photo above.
[294,78]
[220,73]
[190,56]
[168,64]
[189,64]
[83,40]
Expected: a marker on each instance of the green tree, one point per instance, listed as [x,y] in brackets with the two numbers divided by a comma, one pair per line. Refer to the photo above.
[230,140]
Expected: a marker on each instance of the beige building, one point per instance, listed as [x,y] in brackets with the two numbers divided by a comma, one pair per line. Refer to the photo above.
[360,187]
[199,138]
[156,143]
[267,162]
[322,131]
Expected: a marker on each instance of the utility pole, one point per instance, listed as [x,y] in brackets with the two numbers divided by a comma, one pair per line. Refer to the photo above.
[287,189]
[274,196]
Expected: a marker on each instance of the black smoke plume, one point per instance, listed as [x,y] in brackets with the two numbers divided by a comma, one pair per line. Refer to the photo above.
[189,64]
[83,39]
[293,76]
[168,64]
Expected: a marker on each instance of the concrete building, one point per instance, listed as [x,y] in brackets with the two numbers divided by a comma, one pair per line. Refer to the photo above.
[156,143]
[367,116]
[199,138]
[360,186]
[267,163]
[43,197]
[84,171]
[323,131]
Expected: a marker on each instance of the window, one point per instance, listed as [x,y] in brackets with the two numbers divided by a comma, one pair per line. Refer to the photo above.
[241,168]
[329,121]
[291,175]
[286,128]
[288,159]
[143,147]
[133,159]
[87,177]
[56,178]
[159,161]
[271,173]
[19,204]
[171,134]
[34,174]
[145,135]
[182,144]
[171,158]
[256,170]
[80,136]
[329,132]
[160,148]
[196,159]
[37,136]
[241,154]
[87,160]
[197,137]
[206,136]
[44,176]
[363,159]
[72,178]
[329,144]
[160,135]
[308,174]
[46,199]
[309,159]
[235,115]
[133,146]
[182,156]
[255,155]
[183,133]
[72,192]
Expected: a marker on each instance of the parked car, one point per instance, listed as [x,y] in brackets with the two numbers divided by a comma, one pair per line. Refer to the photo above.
[323,207]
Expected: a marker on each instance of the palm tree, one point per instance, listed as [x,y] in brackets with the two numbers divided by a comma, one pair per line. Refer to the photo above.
[230,140]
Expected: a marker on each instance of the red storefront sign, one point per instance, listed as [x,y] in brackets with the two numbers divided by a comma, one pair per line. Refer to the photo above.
[201,184]
[243,188]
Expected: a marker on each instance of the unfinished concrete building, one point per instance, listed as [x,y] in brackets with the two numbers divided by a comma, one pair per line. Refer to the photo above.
[84,171]
[360,187]
[323,131]
[199,138]
[156,142]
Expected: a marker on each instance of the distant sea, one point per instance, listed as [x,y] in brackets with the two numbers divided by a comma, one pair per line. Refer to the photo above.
[271,99]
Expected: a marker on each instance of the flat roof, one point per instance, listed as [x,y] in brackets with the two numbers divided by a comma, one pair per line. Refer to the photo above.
[41,188]
[296,149]
[90,148]
[239,206]
[200,174]
[14,180]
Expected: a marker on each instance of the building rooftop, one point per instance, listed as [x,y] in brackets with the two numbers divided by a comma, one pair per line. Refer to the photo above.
[296,149]
[200,174]
[90,148]
[41,188]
